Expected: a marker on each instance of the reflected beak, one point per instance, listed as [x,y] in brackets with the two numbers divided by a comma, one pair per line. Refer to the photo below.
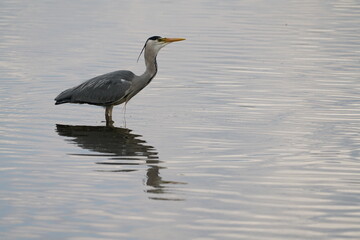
[170,40]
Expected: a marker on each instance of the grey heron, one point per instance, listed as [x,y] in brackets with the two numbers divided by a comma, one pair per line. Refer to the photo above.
[117,87]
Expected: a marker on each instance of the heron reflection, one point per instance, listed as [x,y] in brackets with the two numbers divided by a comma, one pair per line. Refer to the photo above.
[121,150]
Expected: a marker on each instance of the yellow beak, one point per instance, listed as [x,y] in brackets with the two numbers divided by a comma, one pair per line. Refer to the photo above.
[169,40]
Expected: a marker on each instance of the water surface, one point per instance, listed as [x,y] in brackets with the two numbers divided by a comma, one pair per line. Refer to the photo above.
[250,130]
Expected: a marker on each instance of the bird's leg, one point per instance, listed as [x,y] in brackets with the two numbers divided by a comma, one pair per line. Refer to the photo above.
[108,115]
[124,110]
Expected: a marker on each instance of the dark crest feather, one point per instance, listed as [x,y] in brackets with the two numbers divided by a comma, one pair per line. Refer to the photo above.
[150,38]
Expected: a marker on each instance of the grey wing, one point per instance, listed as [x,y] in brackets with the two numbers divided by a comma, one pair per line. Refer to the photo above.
[106,89]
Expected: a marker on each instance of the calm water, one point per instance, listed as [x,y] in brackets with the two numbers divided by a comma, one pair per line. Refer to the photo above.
[251,129]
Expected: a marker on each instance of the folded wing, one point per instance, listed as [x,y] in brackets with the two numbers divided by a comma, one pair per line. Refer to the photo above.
[104,90]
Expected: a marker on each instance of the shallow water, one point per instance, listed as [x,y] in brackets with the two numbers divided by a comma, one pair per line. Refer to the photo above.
[250,130]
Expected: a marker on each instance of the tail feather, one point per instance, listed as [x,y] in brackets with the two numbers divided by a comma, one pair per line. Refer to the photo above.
[62,101]
[64,97]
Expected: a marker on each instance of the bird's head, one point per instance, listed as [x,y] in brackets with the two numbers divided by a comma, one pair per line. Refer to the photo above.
[155,43]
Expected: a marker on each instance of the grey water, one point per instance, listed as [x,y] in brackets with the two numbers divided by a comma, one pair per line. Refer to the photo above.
[250,130]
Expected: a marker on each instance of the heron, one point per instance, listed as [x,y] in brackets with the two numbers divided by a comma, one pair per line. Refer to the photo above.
[114,88]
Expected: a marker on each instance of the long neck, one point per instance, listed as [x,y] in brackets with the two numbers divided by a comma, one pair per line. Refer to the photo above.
[150,62]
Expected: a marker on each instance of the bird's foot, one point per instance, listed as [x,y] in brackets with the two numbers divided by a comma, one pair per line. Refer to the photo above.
[109,123]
